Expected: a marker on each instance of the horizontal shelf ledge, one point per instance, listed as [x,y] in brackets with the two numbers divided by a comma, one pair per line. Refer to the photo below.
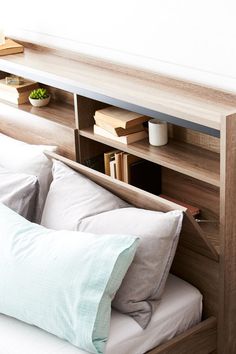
[192,161]
[147,94]
[57,112]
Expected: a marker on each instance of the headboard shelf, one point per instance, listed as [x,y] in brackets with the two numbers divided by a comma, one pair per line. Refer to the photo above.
[57,112]
[182,157]
[183,103]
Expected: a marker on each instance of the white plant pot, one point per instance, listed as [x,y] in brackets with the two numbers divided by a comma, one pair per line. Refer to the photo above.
[39,102]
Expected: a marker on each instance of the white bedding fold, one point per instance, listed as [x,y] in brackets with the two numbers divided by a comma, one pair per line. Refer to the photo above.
[180,309]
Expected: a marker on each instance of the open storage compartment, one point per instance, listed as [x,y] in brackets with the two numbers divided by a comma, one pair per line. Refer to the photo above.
[54,124]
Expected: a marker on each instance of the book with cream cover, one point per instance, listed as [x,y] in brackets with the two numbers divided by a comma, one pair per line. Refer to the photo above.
[127,139]
[119,118]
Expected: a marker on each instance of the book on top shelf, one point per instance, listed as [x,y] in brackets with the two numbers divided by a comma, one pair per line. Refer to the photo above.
[126,139]
[118,117]
[10,47]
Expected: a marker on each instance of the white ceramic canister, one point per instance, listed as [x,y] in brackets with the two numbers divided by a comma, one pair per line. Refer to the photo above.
[157,132]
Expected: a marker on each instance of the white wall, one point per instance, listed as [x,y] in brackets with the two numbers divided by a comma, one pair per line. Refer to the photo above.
[191,39]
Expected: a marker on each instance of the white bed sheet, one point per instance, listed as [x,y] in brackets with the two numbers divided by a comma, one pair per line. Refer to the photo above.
[180,309]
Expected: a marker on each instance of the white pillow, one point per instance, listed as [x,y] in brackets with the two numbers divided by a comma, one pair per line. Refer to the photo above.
[72,197]
[18,156]
[18,191]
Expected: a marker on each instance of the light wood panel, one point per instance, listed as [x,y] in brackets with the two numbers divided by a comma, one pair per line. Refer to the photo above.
[201,339]
[185,158]
[61,95]
[31,128]
[85,109]
[194,192]
[196,138]
[227,316]
[88,149]
[194,238]
[96,81]
[203,273]
[212,232]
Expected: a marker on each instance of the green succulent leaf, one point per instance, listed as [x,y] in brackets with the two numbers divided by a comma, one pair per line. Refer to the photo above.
[39,94]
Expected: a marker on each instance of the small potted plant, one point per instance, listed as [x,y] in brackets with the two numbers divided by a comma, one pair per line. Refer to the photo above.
[39,97]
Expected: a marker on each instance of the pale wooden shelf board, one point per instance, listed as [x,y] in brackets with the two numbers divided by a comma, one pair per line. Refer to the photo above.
[57,112]
[120,88]
[181,157]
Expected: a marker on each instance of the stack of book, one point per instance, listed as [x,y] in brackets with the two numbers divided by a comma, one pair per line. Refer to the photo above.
[17,93]
[133,170]
[120,125]
[139,173]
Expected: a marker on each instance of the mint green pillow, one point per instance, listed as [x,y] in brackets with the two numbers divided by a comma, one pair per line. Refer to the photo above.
[61,281]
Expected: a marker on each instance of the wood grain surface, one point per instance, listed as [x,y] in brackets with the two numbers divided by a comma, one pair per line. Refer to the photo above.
[95,79]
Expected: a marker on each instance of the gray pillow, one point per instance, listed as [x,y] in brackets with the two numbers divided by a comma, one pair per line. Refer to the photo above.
[144,282]
[76,203]
[20,157]
[18,191]
[72,197]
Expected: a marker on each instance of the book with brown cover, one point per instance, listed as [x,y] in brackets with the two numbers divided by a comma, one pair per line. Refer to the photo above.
[119,165]
[119,118]
[118,131]
[127,139]
[127,161]
[108,156]
[192,209]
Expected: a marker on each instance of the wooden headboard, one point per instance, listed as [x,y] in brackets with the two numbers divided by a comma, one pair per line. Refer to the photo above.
[197,165]
[195,260]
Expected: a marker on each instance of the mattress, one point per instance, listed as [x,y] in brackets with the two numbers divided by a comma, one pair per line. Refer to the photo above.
[180,309]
